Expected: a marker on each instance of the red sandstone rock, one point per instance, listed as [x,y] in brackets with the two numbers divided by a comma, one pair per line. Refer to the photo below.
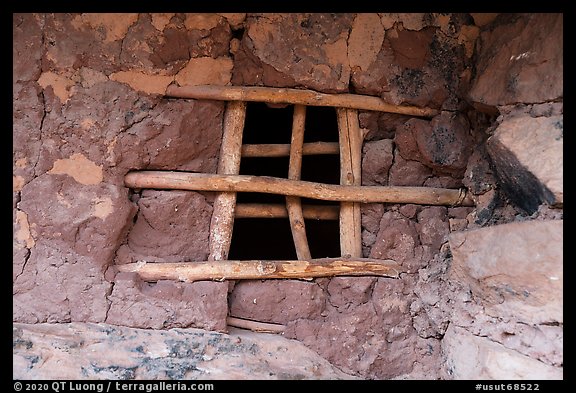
[174,136]
[407,172]
[376,162]
[479,176]
[27,46]
[516,269]
[28,115]
[87,110]
[397,240]
[416,67]
[185,36]
[446,145]
[433,226]
[57,285]
[443,144]
[75,41]
[430,310]
[472,357]
[276,301]
[528,68]
[71,241]
[527,154]
[167,304]
[511,291]
[285,50]
[171,226]
[371,214]
[405,138]
[381,125]
[79,351]
[381,328]
[345,291]
[73,146]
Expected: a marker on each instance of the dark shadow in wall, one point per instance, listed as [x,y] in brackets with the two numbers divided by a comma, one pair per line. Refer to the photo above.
[258,238]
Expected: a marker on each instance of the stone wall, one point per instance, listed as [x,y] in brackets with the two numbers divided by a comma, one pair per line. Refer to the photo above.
[506,312]
[88,108]
[365,325]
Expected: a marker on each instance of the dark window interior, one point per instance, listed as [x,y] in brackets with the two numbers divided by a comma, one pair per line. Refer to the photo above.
[259,238]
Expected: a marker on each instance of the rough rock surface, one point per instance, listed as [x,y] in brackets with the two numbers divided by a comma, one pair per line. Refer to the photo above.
[166,304]
[422,62]
[444,144]
[376,162]
[158,234]
[85,351]
[527,154]
[506,285]
[515,269]
[473,357]
[367,330]
[277,301]
[337,316]
[87,111]
[528,69]
[288,50]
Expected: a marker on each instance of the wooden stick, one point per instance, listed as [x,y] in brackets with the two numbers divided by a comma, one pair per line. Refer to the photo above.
[311,212]
[350,175]
[295,216]
[294,96]
[256,270]
[263,327]
[283,150]
[222,222]
[166,180]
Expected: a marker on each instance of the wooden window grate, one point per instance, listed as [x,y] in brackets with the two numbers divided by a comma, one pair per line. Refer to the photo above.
[227,182]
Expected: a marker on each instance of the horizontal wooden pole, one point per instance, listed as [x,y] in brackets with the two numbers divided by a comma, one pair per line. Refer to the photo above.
[256,326]
[271,185]
[283,150]
[253,270]
[294,96]
[264,210]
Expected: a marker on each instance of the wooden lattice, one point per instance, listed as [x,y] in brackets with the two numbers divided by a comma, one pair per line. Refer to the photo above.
[227,182]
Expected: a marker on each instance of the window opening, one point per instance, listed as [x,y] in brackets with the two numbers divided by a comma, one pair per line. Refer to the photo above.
[274,239]
[345,195]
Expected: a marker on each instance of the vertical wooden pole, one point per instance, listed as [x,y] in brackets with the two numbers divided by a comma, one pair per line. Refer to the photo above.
[293,204]
[350,174]
[222,222]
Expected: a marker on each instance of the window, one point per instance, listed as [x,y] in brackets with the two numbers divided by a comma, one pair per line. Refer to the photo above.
[292,195]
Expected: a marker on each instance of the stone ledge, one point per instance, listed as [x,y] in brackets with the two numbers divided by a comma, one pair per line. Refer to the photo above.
[102,351]
[514,269]
[473,357]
